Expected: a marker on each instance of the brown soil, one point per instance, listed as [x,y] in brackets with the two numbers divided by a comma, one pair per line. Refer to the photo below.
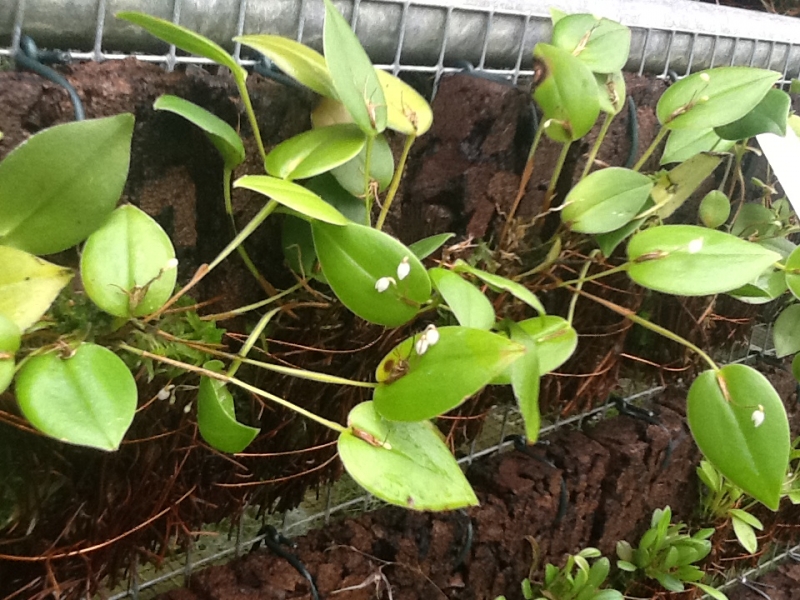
[616,472]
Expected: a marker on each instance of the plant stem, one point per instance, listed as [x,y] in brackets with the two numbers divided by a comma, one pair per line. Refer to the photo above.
[398,175]
[523,183]
[367,187]
[238,383]
[596,148]
[226,191]
[241,83]
[243,309]
[548,196]
[206,269]
[581,280]
[251,340]
[651,148]
[599,275]
[632,316]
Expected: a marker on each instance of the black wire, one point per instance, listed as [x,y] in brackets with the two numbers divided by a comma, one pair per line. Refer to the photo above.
[275,541]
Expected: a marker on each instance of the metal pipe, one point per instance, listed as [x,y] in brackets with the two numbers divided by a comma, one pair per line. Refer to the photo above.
[680,34]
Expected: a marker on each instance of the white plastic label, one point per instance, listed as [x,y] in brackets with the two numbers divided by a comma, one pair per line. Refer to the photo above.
[783,154]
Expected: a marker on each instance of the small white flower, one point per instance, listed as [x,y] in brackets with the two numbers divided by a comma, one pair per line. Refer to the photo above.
[171,264]
[705,77]
[431,334]
[403,269]
[703,99]
[421,346]
[165,392]
[695,246]
[383,284]
[758,416]
[187,408]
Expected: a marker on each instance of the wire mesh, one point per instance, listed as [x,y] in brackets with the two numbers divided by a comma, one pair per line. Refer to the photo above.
[495,41]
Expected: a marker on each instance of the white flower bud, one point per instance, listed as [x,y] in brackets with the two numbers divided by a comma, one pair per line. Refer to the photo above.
[403,269]
[705,77]
[421,345]
[171,264]
[758,416]
[383,284]
[431,334]
[165,392]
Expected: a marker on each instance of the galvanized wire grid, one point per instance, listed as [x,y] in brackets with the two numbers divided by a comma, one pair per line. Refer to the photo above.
[495,41]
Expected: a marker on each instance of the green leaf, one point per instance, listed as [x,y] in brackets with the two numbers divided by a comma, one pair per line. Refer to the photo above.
[469,305]
[327,188]
[10,337]
[720,411]
[292,196]
[601,44]
[314,152]
[567,95]
[608,242]
[406,464]
[745,516]
[216,416]
[28,286]
[128,266]
[754,221]
[499,283]
[355,257]
[297,242]
[713,97]
[745,535]
[768,116]
[714,210]
[408,112]
[792,273]
[683,144]
[608,595]
[350,175]
[711,591]
[297,60]
[611,92]
[786,331]
[688,260]
[88,399]
[525,382]
[769,285]
[354,78]
[674,188]
[425,247]
[605,200]
[461,363]
[185,39]
[555,339]
[222,135]
[710,476]
[61,184]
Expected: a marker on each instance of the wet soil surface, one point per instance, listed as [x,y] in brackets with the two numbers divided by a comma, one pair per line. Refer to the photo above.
[614,473]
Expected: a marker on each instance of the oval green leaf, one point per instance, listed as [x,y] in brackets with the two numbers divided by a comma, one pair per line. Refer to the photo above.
[713,97]
[355,257]
[683,144]
[297,60]
[755,221]
[292,196]
[792,273]
[611,92]
[720,411]
[128,266]
[470,307]
[499,283]
[61,184]
[354,78]
[555,340]
[414,387]
[28,286]
[601,44]
[568,95]
[605,200]
[768,116]
[406,464]
[350,175]
[425,247]
[408,112]
[714,210]
[222,135]
[315,152]
[185,39]
[10,337]
[786,331]
[88,399]
[216,416]
[525,382]
[688,260]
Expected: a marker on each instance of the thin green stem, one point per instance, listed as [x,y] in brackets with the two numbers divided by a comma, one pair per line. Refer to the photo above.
[632,316]
[551,189]
[256,305]
[367,187]
[581,280]
[651,148]
[251,340]
[238,383]
[395,185]
[226,191]
[596,148]
[241,83]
